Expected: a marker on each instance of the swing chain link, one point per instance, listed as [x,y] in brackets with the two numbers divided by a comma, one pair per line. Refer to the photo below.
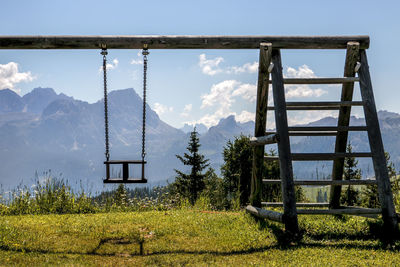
[104,53]
[145,52]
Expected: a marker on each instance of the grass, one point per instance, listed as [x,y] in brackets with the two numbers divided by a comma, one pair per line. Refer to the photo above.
[186,237]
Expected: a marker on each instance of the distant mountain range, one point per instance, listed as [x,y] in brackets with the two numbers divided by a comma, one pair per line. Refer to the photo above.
[43,130]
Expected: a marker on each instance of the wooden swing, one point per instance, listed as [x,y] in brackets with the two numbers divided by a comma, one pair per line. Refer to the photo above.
[124,176]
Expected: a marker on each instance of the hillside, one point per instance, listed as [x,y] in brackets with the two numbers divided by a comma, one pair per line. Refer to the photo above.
[44,131]
[185,237]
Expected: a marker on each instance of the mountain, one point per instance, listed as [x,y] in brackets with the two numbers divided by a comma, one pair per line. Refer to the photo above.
[200,128]
[38,99]
[68,137]
[10,102]
[44,130]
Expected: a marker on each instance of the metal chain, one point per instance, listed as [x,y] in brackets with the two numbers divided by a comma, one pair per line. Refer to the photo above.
[145,52]
[104,53]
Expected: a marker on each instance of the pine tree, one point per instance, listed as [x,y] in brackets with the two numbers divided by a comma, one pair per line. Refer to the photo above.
[191,185]
[351,196]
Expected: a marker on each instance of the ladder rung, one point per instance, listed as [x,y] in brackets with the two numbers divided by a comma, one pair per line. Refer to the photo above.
[320,80]
[328,156]
[324,105]
[125,161]
[122,181]
[324,182]
[309,133]
[350,211]
[280,204]
[264,140]
[327,128]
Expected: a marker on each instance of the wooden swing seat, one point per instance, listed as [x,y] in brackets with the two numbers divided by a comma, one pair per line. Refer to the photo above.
[125,172]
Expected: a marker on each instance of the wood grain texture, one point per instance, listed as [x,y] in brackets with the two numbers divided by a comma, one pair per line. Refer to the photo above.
[264,140]
[375,140]
[178,41]
[260,123]
[324,182]
[320,80]
[265,214]
[285,158]
[352,56]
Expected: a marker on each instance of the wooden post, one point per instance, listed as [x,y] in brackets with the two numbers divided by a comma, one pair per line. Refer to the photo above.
[260,122]
[352,56]
[285,158]
[378,154]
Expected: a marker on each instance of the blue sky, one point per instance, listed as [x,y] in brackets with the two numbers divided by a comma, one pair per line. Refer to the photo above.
[198,85]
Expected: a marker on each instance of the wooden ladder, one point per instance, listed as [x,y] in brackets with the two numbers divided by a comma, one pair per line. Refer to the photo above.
[356,62]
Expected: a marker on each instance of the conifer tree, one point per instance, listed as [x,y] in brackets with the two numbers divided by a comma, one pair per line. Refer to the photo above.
[191,185]
[351,196]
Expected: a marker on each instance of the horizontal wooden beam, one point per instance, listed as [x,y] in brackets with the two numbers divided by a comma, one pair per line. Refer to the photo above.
[352,211]
[264,140]
[327,128]
[178,41]
[122,181]
[328,156]
[324,182]
[320,80]
[309,133]
[125,161]
[280,204]
[324,105]
[265,214]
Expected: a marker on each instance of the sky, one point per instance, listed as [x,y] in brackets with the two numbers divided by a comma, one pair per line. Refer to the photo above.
[199,86]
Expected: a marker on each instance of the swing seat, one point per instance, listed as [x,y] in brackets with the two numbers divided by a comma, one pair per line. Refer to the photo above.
[125,172]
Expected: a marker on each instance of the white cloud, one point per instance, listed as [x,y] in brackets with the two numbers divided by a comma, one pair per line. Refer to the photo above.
[10,75]
[301,90]
[186,110]
[223,96]
[245,68]
[110,66]
[210,66]
[245,116]
[247,91]
[161,109]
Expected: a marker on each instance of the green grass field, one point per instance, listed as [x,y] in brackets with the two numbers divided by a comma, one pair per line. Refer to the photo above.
[186,237]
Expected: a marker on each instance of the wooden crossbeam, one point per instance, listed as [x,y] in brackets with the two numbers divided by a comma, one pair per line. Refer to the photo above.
[324,182]
[324,105]
[352,211]
[265,214]
[280,204]
[308,133]
[125,181]
[177,41]
[320,80]
[322,156]
[264,140]
[328,128]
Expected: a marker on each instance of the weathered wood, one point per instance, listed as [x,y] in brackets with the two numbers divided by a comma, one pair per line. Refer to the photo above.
[264,140]
[285,158]
[178,42]
[280,204]
[324,182]
[328,156]
[308,133]
[320,80]
[328,128]
[375,140]
[125,161]
[324,103]
[125,181]
[353,211]
[322,156]
[352,57]
[319,105]
[260,123]
[265,214]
